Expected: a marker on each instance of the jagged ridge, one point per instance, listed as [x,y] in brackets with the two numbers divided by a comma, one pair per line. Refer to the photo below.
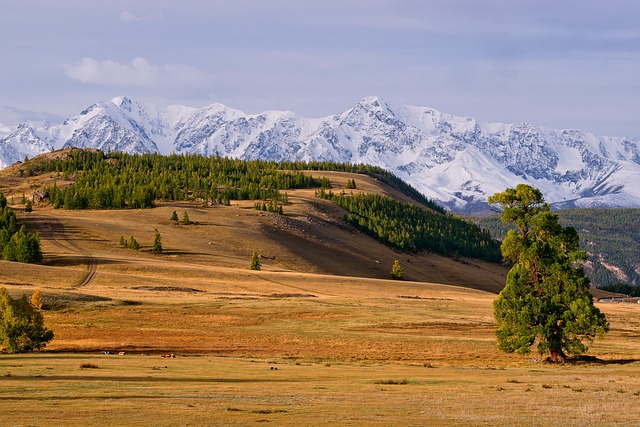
[454,160]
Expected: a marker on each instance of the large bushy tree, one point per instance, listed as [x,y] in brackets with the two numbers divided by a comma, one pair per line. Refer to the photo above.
[546,300]
[22,324]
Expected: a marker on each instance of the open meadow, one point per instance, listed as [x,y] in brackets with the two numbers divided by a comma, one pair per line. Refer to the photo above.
[319,336]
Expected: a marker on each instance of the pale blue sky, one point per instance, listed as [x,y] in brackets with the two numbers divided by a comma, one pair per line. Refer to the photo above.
[568,64]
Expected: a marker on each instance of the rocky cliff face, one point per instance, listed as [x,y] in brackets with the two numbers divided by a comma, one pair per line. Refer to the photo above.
[454,160]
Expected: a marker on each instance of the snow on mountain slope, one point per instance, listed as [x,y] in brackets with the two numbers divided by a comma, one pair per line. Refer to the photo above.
[4,130]
[454,160]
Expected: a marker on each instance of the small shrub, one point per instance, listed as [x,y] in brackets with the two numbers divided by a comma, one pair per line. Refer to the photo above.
[89,366]
[393,382]
[397,273]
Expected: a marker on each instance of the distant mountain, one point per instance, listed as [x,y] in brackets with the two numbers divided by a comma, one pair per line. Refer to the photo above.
[454,160]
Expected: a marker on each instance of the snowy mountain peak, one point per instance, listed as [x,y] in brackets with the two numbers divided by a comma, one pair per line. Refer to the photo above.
[374,103]
[122,102]
[454,160]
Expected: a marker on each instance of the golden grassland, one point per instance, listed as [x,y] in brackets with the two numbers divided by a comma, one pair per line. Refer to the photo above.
[319,336]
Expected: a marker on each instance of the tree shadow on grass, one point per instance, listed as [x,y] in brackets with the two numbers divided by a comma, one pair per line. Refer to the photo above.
[592,360]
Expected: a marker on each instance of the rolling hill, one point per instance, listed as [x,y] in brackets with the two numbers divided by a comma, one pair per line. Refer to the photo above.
[311,237]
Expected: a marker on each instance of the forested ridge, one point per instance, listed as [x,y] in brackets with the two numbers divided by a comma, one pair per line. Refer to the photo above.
[118,180]
[610,236]
[98,180]
[409,228]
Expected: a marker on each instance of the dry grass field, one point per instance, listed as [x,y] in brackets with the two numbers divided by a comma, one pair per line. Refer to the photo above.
[319,336]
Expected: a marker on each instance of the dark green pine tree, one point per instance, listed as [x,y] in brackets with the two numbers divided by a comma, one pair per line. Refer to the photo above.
[157,242]
[133,244]
[255,262]
[174,216]
[185,218]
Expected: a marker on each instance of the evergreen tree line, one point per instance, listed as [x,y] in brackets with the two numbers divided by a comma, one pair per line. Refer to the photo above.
[622,288]
[409,228]
[269,206]
[15,243]
[119,180]
[611,236]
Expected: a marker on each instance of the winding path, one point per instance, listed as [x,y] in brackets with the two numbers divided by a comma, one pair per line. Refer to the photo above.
[53,230]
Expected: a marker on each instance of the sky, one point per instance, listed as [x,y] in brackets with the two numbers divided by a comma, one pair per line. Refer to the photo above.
[559,64]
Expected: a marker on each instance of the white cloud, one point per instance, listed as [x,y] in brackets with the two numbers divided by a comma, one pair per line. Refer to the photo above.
[128,16]
[139,73]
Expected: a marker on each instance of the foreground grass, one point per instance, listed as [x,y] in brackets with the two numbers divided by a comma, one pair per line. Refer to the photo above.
[69,389]
[370,360]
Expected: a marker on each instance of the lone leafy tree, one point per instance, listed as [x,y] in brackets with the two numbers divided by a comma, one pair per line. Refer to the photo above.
[255,261]
[397,272]
[546,299]
[36,299]
[22,324]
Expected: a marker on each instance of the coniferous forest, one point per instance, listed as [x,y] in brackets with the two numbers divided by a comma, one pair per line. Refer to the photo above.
[409,228]
[118,180]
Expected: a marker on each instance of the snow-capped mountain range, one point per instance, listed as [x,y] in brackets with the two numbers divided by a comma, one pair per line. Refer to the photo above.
[453,160]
